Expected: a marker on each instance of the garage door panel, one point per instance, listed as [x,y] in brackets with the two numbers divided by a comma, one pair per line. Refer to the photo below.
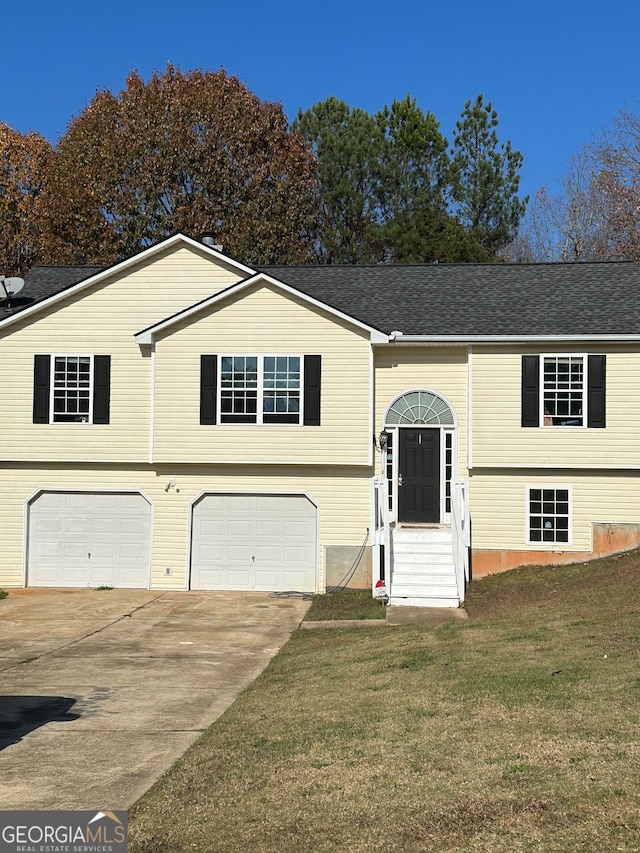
[243,504]
[104,525]
[89,539]
[212,579]
[133,551]
[105,551]
[240,579]
[293,580]
[267,553]
[241,528]
[75,575]
[297,529]
[49,525]
[266,529]
[296,554]
[238,554]
[210,527]
[76,526]
[71,550]
[265,581]
[254,541]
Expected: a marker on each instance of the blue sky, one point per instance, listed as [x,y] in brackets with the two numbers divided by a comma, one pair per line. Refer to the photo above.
[557,72]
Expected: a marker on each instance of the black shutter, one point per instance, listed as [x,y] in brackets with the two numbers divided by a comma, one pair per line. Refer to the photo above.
[101,388]
[208,388]
[530,390]
[312,382]
[41,383]
[597,388]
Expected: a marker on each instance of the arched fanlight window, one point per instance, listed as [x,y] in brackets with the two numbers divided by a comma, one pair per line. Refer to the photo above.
[420,407]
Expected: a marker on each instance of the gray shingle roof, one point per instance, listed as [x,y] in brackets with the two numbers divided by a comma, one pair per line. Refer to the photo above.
[480,299]
[459,300]
[44,281]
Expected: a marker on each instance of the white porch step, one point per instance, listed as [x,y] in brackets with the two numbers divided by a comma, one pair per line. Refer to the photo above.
[430,579]
[414,591]
[422,534]
[423,570]
[422,560]
[424,601]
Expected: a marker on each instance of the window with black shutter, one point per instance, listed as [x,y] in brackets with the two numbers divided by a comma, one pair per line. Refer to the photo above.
[563,391]
[72,389]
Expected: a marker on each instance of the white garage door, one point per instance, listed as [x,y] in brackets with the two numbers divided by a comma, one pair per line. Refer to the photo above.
[89,539]
[254,542]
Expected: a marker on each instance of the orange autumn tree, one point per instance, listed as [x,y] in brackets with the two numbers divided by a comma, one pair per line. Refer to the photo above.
[186,151]
[24,163]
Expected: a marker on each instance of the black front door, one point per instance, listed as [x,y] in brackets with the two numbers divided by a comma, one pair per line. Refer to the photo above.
[419,476]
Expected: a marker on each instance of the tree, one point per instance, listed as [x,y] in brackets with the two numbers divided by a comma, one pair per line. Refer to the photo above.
[348,145]
[618,155]
[25,160]
[417,226]
[382,183]
[568,226]
[484,178]
[187,151]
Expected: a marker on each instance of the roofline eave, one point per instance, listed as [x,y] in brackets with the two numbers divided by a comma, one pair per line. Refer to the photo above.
[398,338]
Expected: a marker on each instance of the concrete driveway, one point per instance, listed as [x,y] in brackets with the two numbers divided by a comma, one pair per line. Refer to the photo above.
[101,691]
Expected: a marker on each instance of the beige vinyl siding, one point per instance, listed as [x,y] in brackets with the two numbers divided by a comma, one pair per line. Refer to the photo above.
[101,320]
[342,497]
[442,370]
[499,505]
[499,440]
[264,321]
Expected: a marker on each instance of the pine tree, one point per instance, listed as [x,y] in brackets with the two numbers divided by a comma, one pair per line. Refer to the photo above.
[484,178]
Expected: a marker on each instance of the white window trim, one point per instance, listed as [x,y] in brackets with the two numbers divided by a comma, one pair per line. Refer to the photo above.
[52,388]
[551,546]
[260,389]
[585,389]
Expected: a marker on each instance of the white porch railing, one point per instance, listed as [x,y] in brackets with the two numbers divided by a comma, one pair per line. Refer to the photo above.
[461,531]
[381,534]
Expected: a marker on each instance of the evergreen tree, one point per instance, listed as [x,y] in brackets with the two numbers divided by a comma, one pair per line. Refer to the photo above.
[484,178]
[382,186]
[348,145]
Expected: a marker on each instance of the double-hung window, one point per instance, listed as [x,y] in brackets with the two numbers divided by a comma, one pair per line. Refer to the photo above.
[564,390]
[71,388]
[260,389]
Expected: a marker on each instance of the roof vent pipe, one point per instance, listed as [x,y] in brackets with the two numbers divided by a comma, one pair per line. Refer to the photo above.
[209,240]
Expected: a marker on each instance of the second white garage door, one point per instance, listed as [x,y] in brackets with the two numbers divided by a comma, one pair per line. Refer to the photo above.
[81,539]
[254,542]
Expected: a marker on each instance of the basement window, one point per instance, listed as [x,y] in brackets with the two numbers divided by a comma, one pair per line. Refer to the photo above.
[549,516]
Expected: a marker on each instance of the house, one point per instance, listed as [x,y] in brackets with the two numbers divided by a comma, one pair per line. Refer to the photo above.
[183,421]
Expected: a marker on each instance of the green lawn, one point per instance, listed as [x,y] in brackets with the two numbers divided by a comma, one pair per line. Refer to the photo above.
[517,730]
[345,604]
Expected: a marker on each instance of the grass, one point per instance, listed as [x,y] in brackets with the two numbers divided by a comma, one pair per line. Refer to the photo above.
[517,730]
[3,594]
[346,604]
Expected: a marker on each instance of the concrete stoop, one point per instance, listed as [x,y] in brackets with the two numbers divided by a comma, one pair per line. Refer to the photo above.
[395,615]
[407,615]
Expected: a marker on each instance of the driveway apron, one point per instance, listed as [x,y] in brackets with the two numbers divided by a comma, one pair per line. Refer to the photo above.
[101,691]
